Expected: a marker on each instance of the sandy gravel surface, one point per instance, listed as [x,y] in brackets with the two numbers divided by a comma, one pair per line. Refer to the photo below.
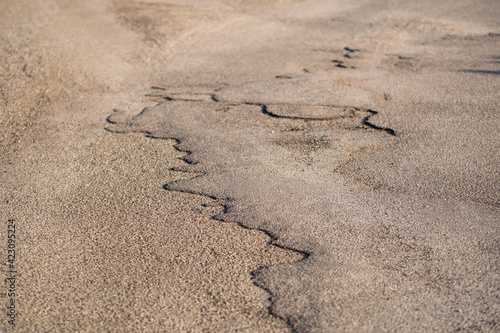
[361,138]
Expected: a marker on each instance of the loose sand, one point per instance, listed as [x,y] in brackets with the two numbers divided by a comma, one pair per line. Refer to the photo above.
[362,137]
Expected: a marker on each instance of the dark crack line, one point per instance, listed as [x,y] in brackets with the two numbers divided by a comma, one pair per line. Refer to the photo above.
[288,319]
[378,128]
[365,121]
[265,111]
